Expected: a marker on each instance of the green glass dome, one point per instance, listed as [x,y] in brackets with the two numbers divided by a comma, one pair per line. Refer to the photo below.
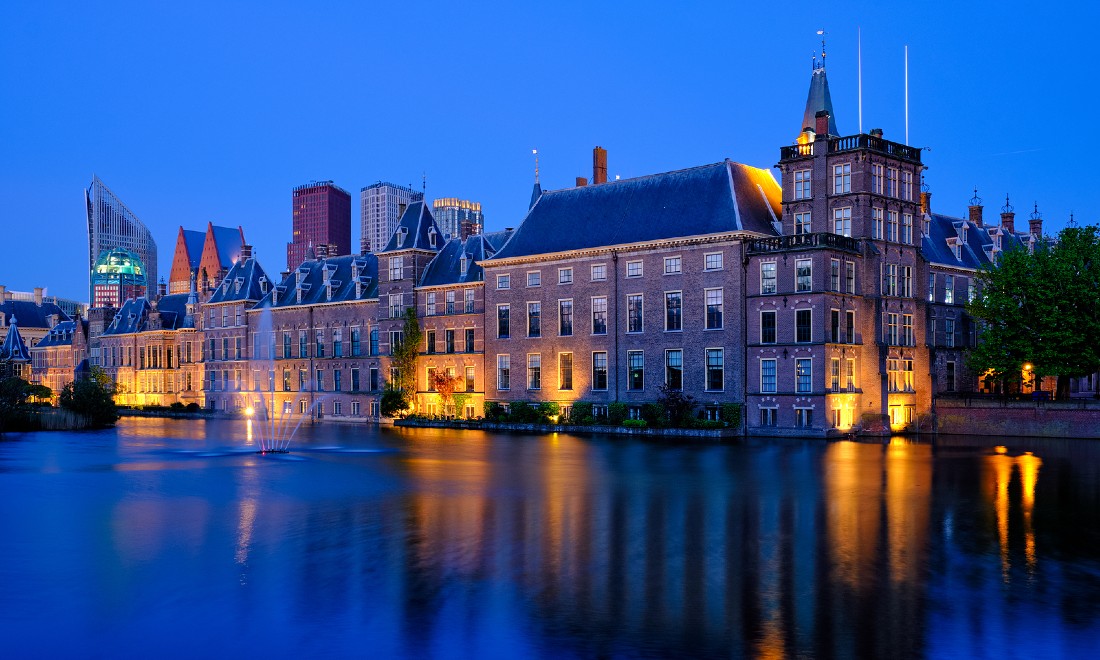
[116,265]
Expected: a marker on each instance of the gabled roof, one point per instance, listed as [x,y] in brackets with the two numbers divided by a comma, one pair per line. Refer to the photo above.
[446,267]
[59,335]
[130,318]
[818,99]
[343,273]
[193,242]
[977,251]
[173,311]
[228,241]
[134,316]
[13,349]
[31,315]
[415,229]
[246,280]
[710,199]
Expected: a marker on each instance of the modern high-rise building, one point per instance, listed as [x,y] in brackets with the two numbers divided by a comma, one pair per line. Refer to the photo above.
[382,206]
[321,216]
[112,225]
[458,218]
[117,276]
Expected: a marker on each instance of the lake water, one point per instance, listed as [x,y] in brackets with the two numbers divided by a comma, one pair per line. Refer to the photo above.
[169,538]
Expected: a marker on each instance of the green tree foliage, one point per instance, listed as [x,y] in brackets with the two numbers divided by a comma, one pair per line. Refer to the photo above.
[92,398]
[405,353]
[393,402]
[13,403]
[1041,308]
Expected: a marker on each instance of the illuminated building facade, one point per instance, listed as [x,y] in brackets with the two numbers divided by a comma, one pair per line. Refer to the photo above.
[382,205]
[112,225]
[117,276]
[458,218]
[56,357]
[321,214]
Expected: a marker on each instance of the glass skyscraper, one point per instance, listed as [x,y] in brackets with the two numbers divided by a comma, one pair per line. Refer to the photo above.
[112,225]
[458,218]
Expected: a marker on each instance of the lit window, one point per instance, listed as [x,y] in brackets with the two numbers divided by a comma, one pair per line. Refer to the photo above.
[565,371]
[767,277]
[503,372]
[534,371]
[804,275]
[842,221]
[803,371]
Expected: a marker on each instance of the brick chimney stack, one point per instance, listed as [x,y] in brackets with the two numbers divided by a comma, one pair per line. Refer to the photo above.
[162,289]
[38,296]
[581,182]
[246,252]
[976,209]
[599,165]
[822,121]
[1035,223]
[1008,217]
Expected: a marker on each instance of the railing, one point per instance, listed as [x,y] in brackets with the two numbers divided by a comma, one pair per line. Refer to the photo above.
[796,151]
[849,143]
[803,242]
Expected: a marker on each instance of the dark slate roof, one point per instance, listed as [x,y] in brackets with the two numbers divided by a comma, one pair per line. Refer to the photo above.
[414,229]
[173,311]
[536,192]
[59,335]
[246,280]
[710,199]
[134,315]
[13,349]
[818,99]
[228,240]
[446,267]
[31,315]
[193,241]
[343,272]
[976,252]
[130,318]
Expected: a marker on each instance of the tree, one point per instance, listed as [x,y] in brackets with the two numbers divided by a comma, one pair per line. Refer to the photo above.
[405,352]
[1040,308]
[678,406]
[445,385]
[92,398]
[13,403]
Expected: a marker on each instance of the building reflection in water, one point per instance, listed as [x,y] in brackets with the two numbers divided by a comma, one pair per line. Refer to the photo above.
[1000,468]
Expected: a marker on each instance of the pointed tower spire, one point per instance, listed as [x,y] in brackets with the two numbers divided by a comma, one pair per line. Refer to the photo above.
[819,99]
[536,190]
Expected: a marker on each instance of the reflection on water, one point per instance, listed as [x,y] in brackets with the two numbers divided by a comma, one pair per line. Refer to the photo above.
[476,545]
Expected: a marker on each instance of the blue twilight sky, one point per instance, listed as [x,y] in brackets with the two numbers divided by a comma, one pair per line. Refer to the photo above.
[197,111]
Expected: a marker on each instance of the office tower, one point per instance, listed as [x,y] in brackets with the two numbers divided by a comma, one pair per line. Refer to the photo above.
[321,215]
[458,218]
[382,206]
[117,276]
[111,225]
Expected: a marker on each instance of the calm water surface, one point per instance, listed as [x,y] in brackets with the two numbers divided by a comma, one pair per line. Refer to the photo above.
[167,538]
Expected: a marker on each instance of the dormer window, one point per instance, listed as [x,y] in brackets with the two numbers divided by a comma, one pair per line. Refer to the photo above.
[431,237]
[402,234]
[463,264]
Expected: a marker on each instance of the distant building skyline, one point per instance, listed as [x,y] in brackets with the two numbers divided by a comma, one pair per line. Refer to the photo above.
[111,224]
[321,214]
[458,218]
[382,204]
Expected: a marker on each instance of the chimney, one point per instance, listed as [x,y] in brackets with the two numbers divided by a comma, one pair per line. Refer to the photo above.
[246,252]
[1035,223]
[599,165]
[876,133]
[976,209]
[1008,217]
[3,293]
[822,121]
[38,296]
[581,182]
[925,202]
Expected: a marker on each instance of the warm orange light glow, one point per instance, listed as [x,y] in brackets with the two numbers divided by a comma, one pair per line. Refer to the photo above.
[1000,449]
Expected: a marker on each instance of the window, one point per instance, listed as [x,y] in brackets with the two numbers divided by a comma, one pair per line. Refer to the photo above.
[850,374]
[971,292]
[850,326]
[565,371]
[599,315]
[949,289]
[906,282]
[850,276]
[767,376]
[503,372]
[834,374]
[842,178]
[636,365]
[396,337]
[534,319]
[767,327]
[337,342]
[892,182]
[767,277]
[714,308]
[565,318]
[534,371]
[373,346]
[337,380]
[907,185]
[876,178]
[907,228]
[803,372]
[634,312]
[674,319]
[802,188]
[237,311]
[431,379]
[802,223]
[674,369]
[469,298]
[876,223]
[712,261]
[890,280]
[907,338]
[225,317]
[634,269]
[237,348]
[834,326]
[429,304]
[891,329]
[504,281]
[502,321]
[225,349]
[430,334]
[355,383]
[672,265]
[319,338]
[949,384]
[469,379]
[397,267]
[469,340]
[842,221]
[802,322]
[891,225]
[768,416]
[356,344]
[449,340]
[803,417]
[931,287]
[716,370]
[451,302]
[534,278]
[834,274]
[396,306]
[949,333]
[320,381]
[599,370]
[804,275]
[599,272]
[565,276]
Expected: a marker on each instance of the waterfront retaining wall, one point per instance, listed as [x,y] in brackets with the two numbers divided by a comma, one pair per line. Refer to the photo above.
[689,434]
[977,416]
